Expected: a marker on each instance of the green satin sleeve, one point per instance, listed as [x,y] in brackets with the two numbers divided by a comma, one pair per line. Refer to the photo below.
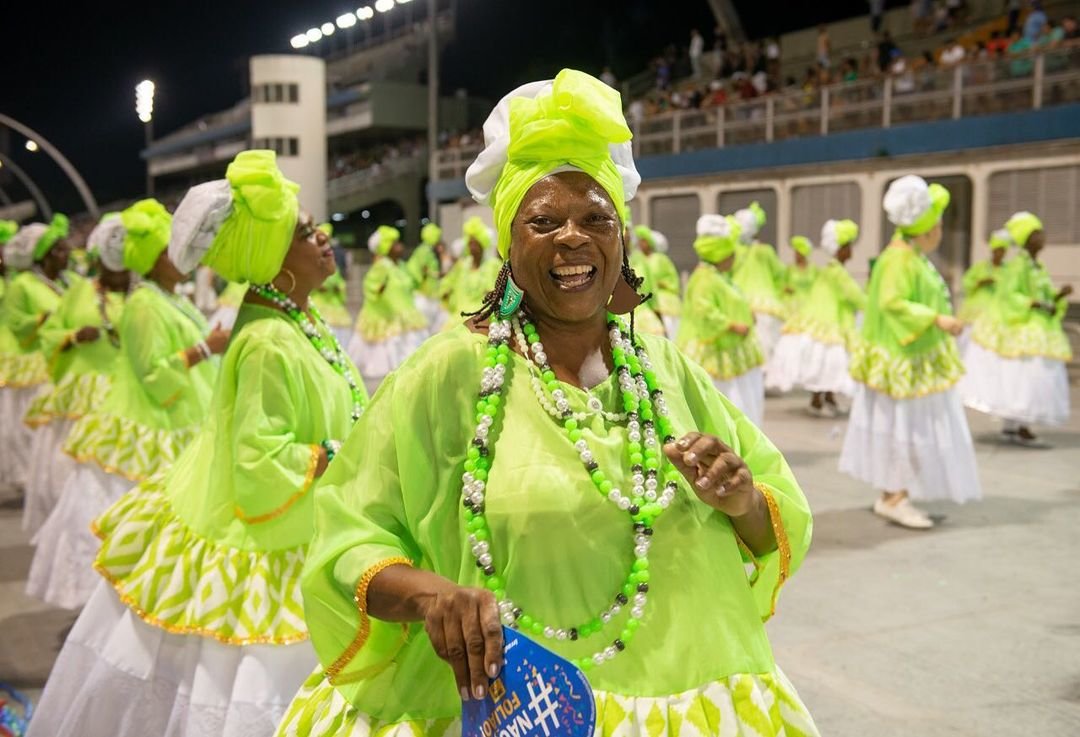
[849,289]
[904,318]
[376,279]
[25,311]
[979,270]
[705,301]
[273,468]
[159,366]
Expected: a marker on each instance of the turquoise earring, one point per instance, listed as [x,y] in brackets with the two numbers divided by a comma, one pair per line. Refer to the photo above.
[512,296]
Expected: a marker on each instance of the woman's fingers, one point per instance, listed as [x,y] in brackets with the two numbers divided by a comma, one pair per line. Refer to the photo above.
[476,628]
[719,472]
[455,653]
[493,637]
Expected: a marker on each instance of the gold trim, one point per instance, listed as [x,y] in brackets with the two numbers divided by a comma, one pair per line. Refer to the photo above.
[309,477]
[1019,354]
[154,621]
[184,357]
[333,671]
[782,544]
[91,457]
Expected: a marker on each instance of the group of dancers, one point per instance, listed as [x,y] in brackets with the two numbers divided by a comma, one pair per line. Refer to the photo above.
[198,488]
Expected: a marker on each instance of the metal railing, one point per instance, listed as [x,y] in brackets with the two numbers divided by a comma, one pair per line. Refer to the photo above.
[451,163]
[1026,82]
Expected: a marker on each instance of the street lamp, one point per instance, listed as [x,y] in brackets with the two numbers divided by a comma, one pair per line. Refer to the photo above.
[144,108]
[384,6]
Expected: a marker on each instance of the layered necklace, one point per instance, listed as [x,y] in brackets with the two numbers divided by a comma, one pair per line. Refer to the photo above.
[646,417]
[325,342]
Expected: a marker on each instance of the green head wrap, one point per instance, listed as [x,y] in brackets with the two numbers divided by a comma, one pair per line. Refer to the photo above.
[146,234]
[717,237]
[1000,239]
[383,239]
[846,232]
[252,242]
[759,213]
[327,228]
[801,245]
[645,233]
[570,123]
[475,229]
[1021,225]
[430,234]
[8,228]
[56,230]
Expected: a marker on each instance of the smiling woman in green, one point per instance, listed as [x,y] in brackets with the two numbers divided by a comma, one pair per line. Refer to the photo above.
[198,627]
[540,467]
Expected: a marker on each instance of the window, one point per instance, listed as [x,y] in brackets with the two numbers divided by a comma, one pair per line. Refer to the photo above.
[812,205]
[276,93]
[1049,192]
[280,145]
[676,217]
[728,202]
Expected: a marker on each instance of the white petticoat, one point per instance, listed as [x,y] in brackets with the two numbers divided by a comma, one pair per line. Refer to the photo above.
[15,436]
[225,316]
[48,468]
[118,676]
[1032,390]
[432,309]
[921,444]
[747,392]
[768,329]
[62,571]
[376,360]
[671,326]
[800,361]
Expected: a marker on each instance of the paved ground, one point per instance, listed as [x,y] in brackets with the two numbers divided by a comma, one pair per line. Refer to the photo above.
[972,629]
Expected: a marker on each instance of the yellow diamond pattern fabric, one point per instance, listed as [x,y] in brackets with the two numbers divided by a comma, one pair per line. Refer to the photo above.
[125,447]
[71,399]
[906,378]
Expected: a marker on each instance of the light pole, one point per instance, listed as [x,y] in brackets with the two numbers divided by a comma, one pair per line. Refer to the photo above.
[144,107]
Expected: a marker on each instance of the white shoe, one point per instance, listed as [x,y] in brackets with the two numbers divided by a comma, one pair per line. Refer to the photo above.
[903,513]
[831,410]
[818,412]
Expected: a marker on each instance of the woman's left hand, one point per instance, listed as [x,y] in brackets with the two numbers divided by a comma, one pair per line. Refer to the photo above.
[715,472]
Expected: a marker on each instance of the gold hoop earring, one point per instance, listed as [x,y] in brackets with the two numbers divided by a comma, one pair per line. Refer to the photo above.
[292,277]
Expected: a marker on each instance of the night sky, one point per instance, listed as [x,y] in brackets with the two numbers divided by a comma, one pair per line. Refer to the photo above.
[77,88]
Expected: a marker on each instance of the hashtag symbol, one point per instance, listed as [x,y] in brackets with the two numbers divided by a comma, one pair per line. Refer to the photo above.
[541,705]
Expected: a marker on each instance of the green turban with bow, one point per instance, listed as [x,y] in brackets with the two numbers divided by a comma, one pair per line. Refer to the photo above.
[1021,225]
[430,234]
[572,123]
[8,228]
[58,228]
[146,234]
[801,245]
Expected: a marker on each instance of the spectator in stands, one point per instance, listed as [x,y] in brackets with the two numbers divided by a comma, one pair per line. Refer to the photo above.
[1019,46]
[941,17]
[998,45]
[1033,25]
[608,77]
[957,10]
[717,94]
[1072,30]
[636,114]
[953,53]
[663,73]
[697,49]
[849,72]
[885,51]
[1012,7]
[877,12]
[1052,36]
[900,69]
[824,46]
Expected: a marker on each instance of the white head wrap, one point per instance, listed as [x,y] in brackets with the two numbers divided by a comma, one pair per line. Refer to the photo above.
[906,200]
[748,224]
[107,238]
[660,242]
[197,221]
[373,241]
[829,242]
[19,251]
[713,225]
[457,247]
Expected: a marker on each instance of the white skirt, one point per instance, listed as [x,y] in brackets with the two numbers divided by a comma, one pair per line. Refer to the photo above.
[343,333]
[768,329]
[62,571]
[800,361]
[747,392]
[376,360]
[1027,390]
[48,469]
[922,445]
[433,310]
[15,436]
[118,676]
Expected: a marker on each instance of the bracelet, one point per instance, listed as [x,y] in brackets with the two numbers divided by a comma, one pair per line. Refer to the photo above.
[332,447]
[204,349]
